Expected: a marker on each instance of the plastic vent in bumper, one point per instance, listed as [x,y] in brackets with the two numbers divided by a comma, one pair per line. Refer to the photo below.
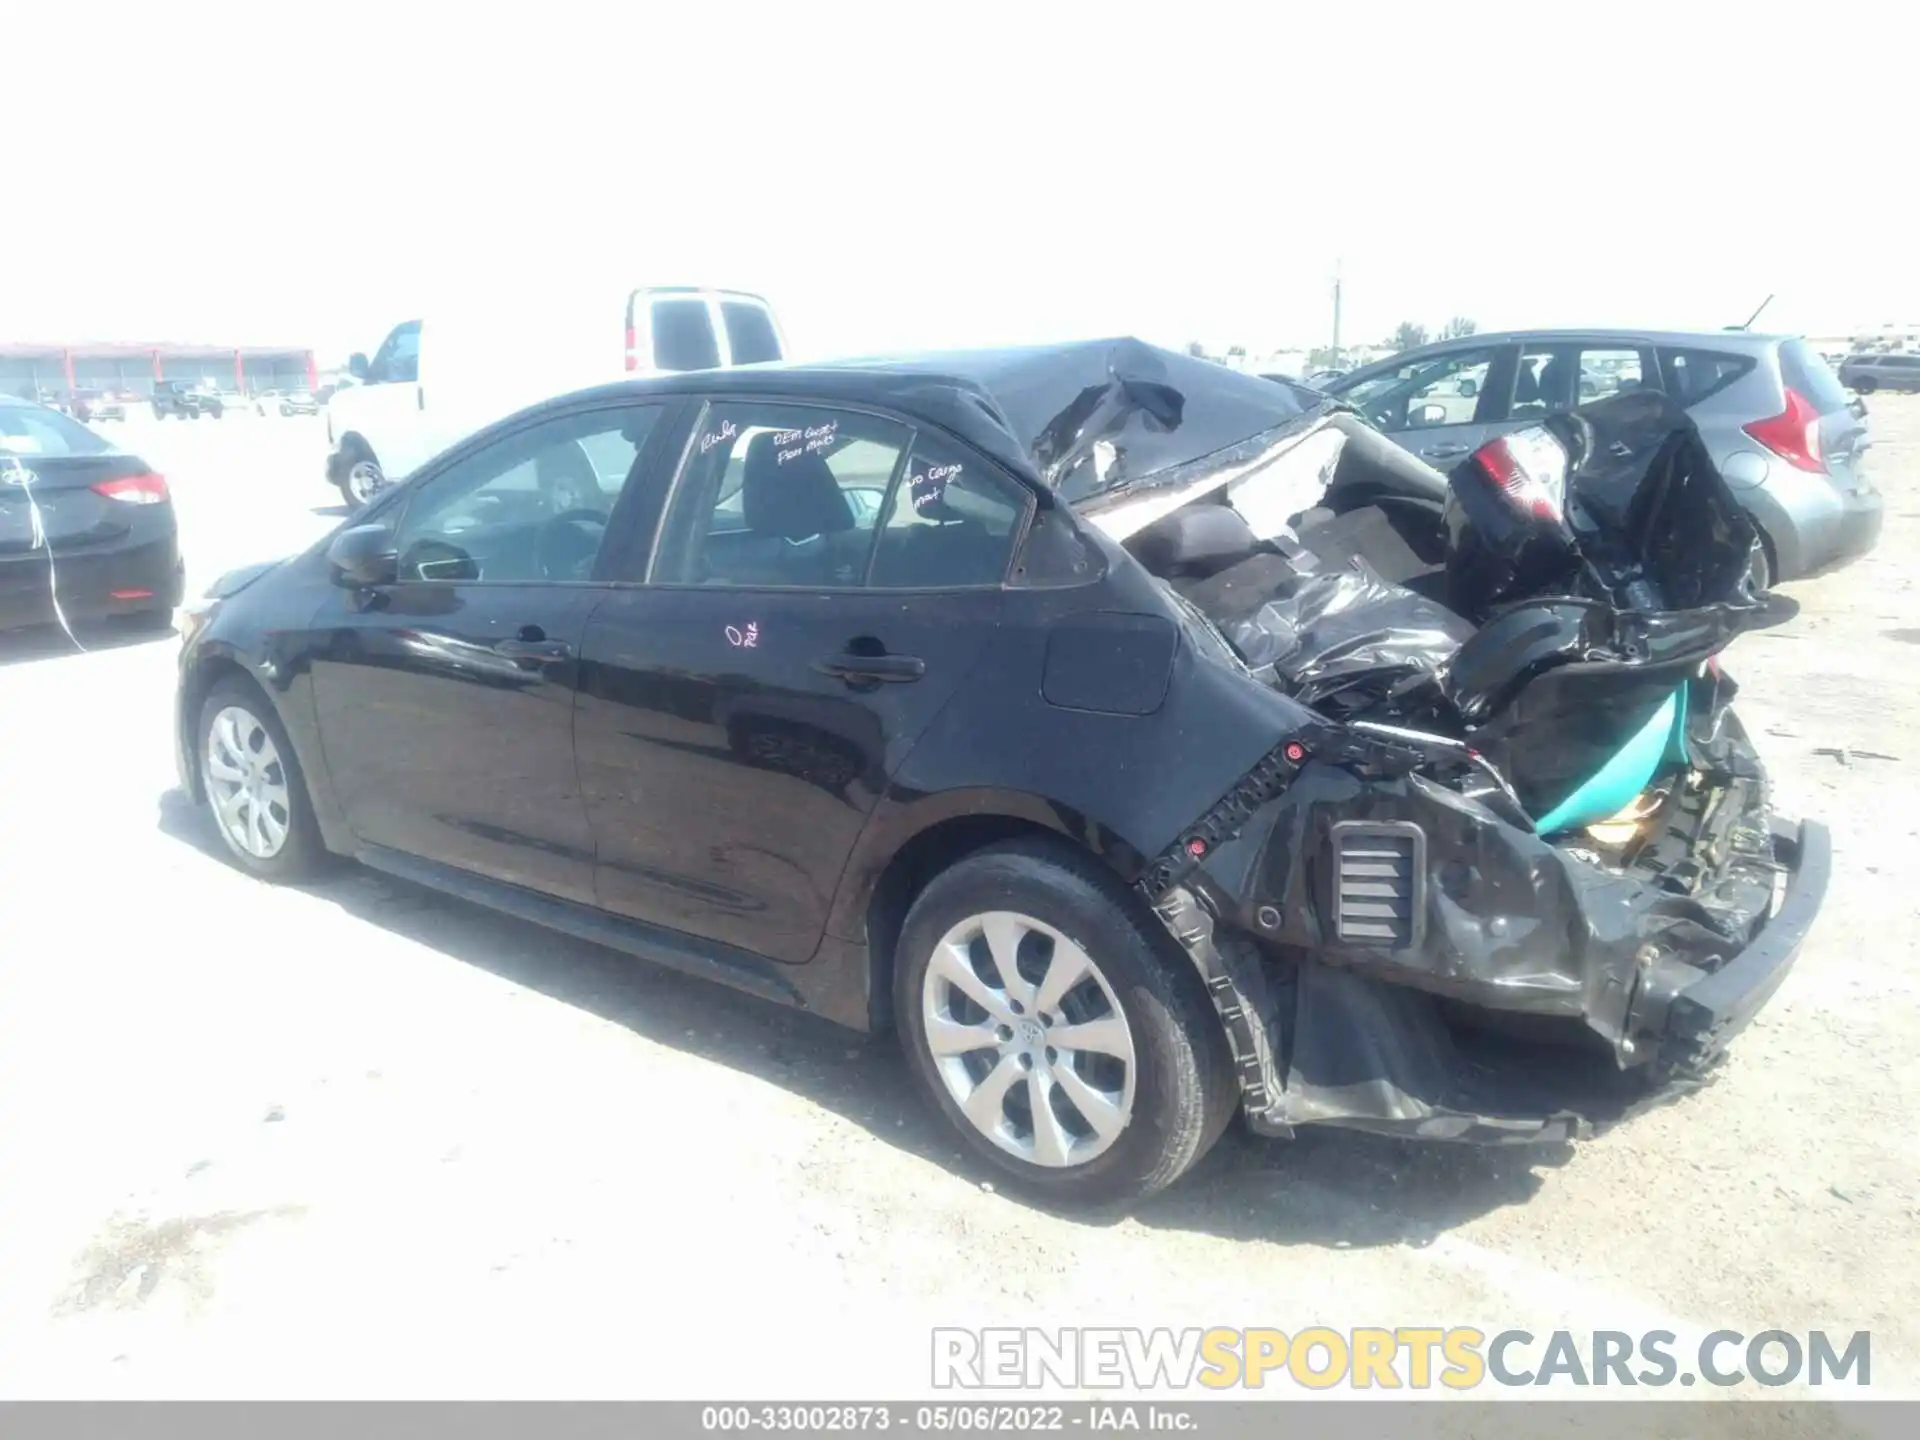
[1379,883]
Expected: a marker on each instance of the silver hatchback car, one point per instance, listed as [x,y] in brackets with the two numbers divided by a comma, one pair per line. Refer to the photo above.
[1778,422]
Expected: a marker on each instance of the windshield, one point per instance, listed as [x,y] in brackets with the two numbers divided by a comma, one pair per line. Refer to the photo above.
[29,430]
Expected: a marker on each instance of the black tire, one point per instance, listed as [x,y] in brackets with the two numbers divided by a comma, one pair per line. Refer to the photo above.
[1185,1089]
[303,855]
[1865,385]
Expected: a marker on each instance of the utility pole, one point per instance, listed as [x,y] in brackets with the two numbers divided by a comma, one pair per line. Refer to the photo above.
[1336,312]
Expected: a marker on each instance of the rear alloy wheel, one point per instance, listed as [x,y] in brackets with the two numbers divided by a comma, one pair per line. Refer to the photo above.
[1067,1043]
[254,786]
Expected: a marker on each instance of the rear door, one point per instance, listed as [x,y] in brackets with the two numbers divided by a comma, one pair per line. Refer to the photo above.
[386,409]
[824,580]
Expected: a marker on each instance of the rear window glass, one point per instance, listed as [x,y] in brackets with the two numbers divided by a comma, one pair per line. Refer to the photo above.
[749,333]
[25,430]
[1803,369]
[683,337]
[1692,375]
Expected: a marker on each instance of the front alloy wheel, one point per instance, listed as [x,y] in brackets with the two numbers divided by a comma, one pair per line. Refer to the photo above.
[247,784]
[1029,1039]
[253,785]
[364,481]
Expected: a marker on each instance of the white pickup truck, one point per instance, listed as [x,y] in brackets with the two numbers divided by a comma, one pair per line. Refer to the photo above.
[437,379]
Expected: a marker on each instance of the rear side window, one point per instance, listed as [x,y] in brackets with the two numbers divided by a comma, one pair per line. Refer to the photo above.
[1803,369]
[949,522]
[749,332]
[1692,375]
[683,337]
[28,431]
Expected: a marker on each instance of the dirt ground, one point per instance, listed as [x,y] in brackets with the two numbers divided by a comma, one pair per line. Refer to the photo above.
[362,1141]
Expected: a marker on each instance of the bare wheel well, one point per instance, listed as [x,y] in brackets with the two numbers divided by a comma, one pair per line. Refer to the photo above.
[206,675]
[908,873]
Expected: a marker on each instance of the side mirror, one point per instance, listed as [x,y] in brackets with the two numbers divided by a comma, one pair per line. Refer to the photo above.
[363,556]
[356,365]
[1430,415]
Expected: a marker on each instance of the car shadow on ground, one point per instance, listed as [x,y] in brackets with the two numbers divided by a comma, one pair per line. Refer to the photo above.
[1332,1189]
[49,642]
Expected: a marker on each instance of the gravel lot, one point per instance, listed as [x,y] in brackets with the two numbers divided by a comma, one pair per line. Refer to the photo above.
[364,1141]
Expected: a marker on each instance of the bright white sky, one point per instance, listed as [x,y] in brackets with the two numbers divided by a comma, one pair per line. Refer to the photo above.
[911,176]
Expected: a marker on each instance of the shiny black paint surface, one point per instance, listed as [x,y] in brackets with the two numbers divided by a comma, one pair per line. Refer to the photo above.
[673,779]
[729,782]
[443,746]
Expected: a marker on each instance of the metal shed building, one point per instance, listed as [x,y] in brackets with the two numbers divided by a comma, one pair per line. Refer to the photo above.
[58,369]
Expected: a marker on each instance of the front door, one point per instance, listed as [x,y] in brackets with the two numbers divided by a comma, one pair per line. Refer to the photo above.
[386,409]
[825,580]
[1442,406]
[445,700]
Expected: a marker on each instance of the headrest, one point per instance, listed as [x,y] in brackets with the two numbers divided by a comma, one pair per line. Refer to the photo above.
[788,490]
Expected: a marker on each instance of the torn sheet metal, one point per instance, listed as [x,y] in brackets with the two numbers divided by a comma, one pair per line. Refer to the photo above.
[1382,911]
[1349,644]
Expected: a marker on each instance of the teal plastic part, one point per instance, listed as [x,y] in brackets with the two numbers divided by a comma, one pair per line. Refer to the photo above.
[1629,772]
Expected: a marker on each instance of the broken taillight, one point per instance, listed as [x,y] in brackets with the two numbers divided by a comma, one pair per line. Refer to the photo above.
[1530,468]
[1793,435]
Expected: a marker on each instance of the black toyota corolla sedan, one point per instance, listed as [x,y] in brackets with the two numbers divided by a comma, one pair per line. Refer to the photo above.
[81,522]
[1145,743]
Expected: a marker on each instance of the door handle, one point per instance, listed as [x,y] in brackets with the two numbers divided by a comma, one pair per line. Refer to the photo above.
[1444,452]
[855,669]
[541,652]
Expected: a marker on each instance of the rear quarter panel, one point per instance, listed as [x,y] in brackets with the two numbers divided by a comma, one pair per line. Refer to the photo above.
[1126,785]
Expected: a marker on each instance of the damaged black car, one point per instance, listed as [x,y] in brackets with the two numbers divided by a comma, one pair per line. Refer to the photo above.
[1144,742]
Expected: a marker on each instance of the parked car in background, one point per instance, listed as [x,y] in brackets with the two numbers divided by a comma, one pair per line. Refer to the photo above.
[1778,422]
[436,379]
[1866,372]
[285,402]
[75,508]
[186,400]
[91,406]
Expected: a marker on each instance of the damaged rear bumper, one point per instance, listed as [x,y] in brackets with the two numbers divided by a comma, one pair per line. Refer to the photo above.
[1708,1010]
[1525,994]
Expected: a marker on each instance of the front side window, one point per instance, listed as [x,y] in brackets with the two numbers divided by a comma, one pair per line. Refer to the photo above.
[398,358]
[531,507]
[683,337]
[1447,389]
[779,495]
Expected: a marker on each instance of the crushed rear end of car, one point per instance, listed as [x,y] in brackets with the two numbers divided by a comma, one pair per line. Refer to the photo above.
[1517,875]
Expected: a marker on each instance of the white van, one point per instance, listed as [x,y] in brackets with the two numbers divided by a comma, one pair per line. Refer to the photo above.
[438,379]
